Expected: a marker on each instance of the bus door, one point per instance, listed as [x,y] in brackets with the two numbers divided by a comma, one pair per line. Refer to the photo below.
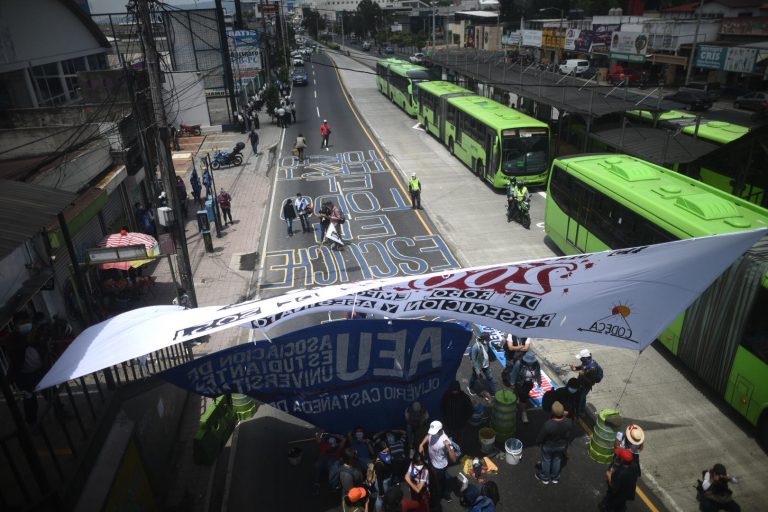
[440,111]
[576,232]
[488,149]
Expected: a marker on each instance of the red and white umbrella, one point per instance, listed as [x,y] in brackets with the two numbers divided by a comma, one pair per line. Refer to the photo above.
[125,238]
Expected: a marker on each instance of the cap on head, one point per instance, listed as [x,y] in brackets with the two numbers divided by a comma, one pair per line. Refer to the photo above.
[325,120]
[529,357]
[585,353]
[635,435]
[435,427]
[558,410]
[356,494]
[413,175]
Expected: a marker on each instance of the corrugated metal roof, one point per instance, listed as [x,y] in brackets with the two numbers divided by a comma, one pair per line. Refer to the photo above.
[25,210]
[655,145]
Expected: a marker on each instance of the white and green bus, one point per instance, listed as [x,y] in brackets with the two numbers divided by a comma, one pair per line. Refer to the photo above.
[432,98]
[610,201]
[496,142]
[395,79]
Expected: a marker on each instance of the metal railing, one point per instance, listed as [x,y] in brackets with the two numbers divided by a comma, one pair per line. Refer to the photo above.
[39,462]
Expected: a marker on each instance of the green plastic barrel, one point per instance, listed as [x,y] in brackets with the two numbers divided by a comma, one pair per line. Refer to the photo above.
[603,436]
[504,416]
[244,406]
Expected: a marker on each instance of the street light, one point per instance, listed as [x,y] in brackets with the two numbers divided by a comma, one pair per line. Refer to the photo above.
[560,29]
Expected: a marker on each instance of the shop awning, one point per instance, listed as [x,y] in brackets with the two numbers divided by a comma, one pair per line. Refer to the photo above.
[27,209]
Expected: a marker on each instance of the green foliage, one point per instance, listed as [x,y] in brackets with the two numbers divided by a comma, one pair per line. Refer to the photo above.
[283,74]
[313,22]
[271,98]
[370,17]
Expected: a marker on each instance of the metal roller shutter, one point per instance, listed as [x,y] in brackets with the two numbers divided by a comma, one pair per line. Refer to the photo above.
[114,212]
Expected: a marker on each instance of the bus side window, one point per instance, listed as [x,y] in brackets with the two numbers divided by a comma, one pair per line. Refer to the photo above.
[756,331]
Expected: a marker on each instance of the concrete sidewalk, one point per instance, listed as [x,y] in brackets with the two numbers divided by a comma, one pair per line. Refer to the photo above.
[223,277]
[688,429]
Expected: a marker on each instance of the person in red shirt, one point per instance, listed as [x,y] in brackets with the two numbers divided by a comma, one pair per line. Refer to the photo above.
[225,202]
[329,446]
[325,132]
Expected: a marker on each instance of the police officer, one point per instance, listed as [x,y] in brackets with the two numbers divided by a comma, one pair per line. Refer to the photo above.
[414,187]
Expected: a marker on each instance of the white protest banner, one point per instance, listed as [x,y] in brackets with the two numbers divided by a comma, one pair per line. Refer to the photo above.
[621,298]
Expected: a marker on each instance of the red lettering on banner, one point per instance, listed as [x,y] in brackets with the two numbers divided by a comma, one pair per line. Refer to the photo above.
[534,278]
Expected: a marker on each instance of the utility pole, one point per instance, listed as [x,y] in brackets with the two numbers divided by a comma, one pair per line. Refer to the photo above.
[238,16]
[163,149]
[692,58]
[228,82]
[265,38]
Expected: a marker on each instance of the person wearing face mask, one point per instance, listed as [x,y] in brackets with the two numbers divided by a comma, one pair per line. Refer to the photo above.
[417,478]
[384,469]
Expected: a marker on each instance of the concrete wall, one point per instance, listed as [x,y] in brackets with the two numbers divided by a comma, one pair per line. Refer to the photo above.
[41,31]
[185,100]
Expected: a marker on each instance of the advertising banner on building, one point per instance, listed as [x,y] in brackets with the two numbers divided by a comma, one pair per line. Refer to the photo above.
[753,26]
[512,38]
[578,40]
[245,52]
[740,60]
[735,59]
[623,298]
[532,38]
[338,375]
[601,36]
[553,38]
[631,46]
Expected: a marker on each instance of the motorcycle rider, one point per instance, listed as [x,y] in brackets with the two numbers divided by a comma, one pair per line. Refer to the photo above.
[517,192]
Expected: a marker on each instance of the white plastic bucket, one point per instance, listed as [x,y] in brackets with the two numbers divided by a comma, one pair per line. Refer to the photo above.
[514,449]
[487,438]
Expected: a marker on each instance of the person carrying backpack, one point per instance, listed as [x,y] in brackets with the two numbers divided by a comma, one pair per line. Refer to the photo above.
[590,373]
[484,501]
[528,376]
[345,474]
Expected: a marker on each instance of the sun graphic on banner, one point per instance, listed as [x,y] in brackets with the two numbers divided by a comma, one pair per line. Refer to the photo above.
[622,310]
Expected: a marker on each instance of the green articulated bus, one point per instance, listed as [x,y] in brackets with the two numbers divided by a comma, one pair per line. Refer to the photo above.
[717,169]
[395,78]
[432,98]
[608,201]
[496,142]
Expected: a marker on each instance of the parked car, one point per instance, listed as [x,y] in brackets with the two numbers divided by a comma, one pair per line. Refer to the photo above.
[693,100]
[574,67]
[753,101]
[366,46]
[299,78]
[711,89]
[625,76]
[416,58]
[389,50]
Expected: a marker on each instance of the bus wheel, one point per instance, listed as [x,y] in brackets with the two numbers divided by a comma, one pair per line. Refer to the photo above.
[479,169]
[450,146]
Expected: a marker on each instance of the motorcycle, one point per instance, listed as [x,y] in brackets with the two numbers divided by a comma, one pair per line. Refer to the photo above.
[189,129]
[520,211]
[223,158]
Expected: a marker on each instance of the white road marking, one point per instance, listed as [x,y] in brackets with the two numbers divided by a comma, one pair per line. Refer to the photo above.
[542,194]
[417,126]
[269,217]
[318,111]
[314,81]
[315,94]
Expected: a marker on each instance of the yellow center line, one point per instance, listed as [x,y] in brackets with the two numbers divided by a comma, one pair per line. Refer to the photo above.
[638,490]
[378,149]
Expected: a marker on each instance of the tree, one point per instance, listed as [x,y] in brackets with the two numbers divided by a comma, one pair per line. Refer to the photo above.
[371,17]
[313,22]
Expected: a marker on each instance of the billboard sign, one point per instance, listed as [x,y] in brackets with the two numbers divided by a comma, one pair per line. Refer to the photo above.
[245,52]
[532,38]
[631,46]
[736,59]
[601,37]
[578,40]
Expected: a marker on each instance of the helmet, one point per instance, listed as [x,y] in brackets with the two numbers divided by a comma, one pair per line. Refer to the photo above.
[513,182]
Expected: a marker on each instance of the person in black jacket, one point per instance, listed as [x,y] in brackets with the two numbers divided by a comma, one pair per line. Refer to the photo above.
[457,410]
[289,214]
[714,493]
[621,480]
[554,437]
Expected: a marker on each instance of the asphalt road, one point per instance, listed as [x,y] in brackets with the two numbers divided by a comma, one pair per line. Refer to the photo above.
[384,237]
[353,174]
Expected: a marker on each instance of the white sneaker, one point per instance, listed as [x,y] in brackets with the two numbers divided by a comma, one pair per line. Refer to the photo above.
[525,417]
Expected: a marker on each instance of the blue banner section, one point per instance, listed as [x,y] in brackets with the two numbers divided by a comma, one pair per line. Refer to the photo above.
[340,374]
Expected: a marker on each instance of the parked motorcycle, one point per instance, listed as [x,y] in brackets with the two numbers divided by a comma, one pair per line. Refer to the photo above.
[519,210]
[223,158]
[189,129]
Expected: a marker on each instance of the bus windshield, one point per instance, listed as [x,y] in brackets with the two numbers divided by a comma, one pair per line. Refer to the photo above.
[524,151]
